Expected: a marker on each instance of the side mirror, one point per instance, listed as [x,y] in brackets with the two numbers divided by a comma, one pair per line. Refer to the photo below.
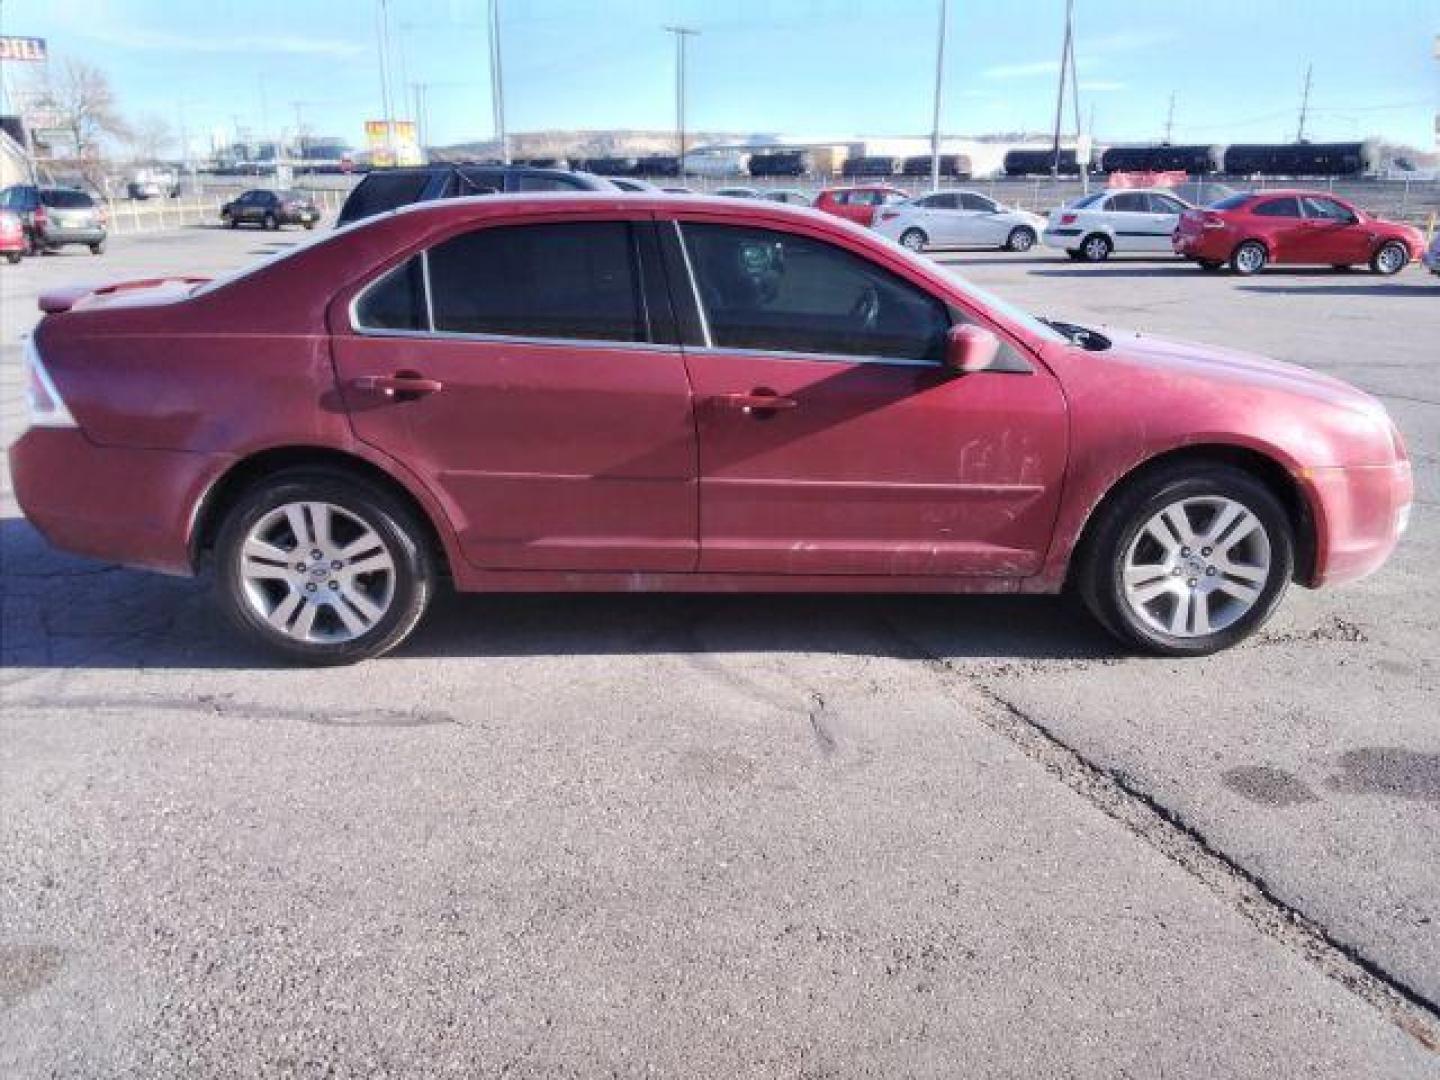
[970,348]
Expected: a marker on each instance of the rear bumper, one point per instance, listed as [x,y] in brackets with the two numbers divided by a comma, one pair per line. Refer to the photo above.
[1060,238]
[55,236]
[128,506]
[1361,514]
[1205,245]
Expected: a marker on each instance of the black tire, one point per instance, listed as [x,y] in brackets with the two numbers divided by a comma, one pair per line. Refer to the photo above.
[271,223]
[229,220]
[1074,256]
[1096,248]
[97,248]
[1249,258]
[309,225]
[1022,238]
[1209,265]
[914,239]
[405,541]
[13,257]
[1389,258]
[1099,571]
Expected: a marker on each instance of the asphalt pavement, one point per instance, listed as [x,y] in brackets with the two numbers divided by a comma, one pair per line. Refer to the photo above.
[741,835]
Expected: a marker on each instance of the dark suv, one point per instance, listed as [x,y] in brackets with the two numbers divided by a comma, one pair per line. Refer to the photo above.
[54,216]
[270,209]
[385,189]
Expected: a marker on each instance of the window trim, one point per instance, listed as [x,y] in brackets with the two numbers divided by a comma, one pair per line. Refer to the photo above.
[352,312]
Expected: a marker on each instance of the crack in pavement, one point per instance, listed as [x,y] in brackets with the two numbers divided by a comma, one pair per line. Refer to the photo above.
[1120,798]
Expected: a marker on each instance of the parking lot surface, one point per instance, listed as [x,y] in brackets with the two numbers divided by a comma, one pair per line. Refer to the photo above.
[737,835]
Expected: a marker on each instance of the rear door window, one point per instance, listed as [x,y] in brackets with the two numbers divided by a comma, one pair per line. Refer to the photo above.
[971,201]
[564,280]
[1284,208]
[1129,202]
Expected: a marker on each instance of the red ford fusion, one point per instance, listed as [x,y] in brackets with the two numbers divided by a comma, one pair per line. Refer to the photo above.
[1254,229]
[584,392]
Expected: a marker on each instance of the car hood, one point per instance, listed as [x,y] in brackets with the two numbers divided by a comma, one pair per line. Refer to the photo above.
[1237,370]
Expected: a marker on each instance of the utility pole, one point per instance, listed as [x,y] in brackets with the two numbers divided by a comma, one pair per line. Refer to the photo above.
[382,36]
[1060,88]
[497,83]
[1304,103]
[939,84]
[681,33]
[1170,118]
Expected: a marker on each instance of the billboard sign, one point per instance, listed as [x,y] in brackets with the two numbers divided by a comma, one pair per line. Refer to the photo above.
[406,148]
[23,49]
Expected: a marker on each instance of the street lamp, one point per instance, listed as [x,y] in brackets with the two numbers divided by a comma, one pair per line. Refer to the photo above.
[939,82]
[681,33]
[497,83]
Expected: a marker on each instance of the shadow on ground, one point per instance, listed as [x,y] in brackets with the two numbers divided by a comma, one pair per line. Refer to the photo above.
[64,612]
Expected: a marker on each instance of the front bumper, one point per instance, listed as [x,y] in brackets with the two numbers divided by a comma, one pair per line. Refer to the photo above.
[1361,513]
[123,505]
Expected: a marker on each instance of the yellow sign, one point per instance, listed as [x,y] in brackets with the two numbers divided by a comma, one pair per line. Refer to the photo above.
[393,143]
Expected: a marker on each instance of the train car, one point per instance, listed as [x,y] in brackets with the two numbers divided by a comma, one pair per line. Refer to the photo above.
[612,166]
[1040,163]
[1300,159]
[780,163]
[877,165]
[658,165]
[952,165]
[1195,160]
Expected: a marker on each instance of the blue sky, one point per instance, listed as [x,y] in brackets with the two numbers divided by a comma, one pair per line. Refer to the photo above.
[830,67]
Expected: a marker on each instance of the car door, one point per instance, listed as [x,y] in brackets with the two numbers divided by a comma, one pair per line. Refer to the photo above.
[1126,214]
[982,225]
[1283,228]
[1330,234]
[934,214]
[873,459]
[528,374]
[1165,212]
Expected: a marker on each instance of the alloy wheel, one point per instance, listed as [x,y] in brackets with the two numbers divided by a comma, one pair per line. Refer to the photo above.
[317,573]
[1197,566]
[1390,259]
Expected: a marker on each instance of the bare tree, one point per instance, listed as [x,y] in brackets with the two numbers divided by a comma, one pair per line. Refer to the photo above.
[76,97]
[150,138]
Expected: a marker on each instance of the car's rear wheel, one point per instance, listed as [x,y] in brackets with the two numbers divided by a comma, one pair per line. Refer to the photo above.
[1021,238]
[1390,259]
[271,222]
[1188,560]
[1249,258]
[914,239]
[1096,248]
[97,248]
[323,567]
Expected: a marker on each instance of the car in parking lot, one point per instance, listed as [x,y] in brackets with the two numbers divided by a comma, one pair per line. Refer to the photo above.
[1252,230]
[387,189]
[12,237]
[738,192]
[789,196]
[270,209]
[56,217]
[1431,258]
[1129,221]
[859,203]
[752,397]
[952,219]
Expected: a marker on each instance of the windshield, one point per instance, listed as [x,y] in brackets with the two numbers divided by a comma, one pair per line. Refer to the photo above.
[65,199]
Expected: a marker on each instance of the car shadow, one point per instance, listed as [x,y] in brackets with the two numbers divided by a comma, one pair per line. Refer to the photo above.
[62,612]
[1123,270]
[1377,289]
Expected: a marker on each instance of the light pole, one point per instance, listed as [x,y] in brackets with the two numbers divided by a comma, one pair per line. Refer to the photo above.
[939,82]
[681,33]
[497,83]
[382,20]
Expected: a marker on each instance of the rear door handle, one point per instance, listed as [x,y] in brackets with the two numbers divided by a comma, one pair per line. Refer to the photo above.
[761,401]
[397,386]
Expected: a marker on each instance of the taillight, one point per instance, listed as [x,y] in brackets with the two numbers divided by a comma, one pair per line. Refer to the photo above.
[1068,219]
[41,217]
[1213,221]
[47,407]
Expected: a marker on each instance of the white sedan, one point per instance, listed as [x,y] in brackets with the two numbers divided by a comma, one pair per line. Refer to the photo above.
[1093,227]
[958,219]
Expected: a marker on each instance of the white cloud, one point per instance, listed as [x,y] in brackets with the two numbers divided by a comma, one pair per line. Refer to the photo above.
[1088,51]
[1021,71]
[1101,86]
[131,38]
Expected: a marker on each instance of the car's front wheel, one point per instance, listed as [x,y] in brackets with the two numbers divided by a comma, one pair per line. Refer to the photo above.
[1188,560]
[323,567]
[914,239]
[271,222]
[1390,259]
[1021,238]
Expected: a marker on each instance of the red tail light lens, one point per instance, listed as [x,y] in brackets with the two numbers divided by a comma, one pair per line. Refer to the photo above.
[1068,219]
[41,217]
[1214,221]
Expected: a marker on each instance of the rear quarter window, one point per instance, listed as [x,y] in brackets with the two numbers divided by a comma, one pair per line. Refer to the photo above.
[380,192]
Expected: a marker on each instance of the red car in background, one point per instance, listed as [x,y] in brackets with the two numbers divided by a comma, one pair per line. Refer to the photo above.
[12,237]
[1289,227]
[859,204]
[599,392]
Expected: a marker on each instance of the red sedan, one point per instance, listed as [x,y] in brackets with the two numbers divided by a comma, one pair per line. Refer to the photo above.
[1253,229]
[584,392]
[859,204]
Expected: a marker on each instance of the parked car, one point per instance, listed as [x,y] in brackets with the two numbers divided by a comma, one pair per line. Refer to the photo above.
[1199,192]
[54,217]
[1431,258]
[270,210]
[1254,229]
[1094,226]
[632,184]
[738,192]
[751,398]
[788,196]
[12,236]
[388,189]
[678,189]
[858,204]
[950,219]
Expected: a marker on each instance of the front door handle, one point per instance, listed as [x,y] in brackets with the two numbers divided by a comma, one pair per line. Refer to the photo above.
[761,402]
[401,387]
